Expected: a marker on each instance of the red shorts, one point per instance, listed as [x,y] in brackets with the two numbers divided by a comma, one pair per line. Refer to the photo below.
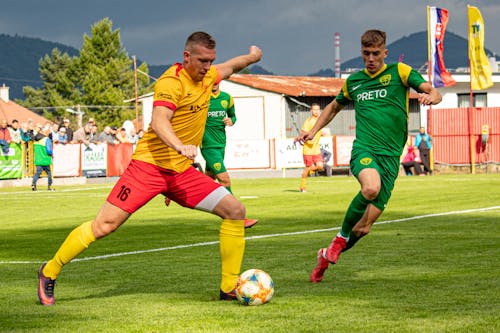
[142,181]
[309,160]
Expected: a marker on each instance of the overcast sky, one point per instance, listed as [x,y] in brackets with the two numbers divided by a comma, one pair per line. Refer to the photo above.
[296,36]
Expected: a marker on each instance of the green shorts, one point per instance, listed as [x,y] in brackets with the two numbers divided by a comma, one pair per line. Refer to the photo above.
[387,167]
[214,158]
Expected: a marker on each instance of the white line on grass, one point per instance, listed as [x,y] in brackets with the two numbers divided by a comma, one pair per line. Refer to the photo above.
[121,254]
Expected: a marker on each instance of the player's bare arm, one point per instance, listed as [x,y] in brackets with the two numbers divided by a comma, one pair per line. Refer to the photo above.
[236,64]
[329,112]
[162,126]
[428,94]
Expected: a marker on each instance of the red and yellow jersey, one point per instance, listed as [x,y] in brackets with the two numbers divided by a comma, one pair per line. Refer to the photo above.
[311,147]
[189,100]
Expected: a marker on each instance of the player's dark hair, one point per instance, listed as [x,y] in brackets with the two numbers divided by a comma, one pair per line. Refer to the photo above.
[373,38]
[200,38]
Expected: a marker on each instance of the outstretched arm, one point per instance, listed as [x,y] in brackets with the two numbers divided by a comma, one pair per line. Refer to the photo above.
[236,64]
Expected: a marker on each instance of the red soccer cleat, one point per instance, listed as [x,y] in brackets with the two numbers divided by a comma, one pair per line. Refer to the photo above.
[321,267]
[334,250]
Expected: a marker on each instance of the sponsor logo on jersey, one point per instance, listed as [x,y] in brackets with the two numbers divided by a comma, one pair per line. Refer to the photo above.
[371,95]
[217,114]
[385,80]
[163,96]
[365,161]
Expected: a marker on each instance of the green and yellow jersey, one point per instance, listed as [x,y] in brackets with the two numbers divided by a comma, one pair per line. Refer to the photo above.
[381,99]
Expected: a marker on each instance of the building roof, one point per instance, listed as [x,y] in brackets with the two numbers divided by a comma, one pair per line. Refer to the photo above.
[312,86]
[10,110]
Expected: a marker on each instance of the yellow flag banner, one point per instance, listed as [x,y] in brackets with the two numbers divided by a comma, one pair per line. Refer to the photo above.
[480,70]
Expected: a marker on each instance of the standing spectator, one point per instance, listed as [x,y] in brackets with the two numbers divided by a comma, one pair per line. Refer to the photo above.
[121,135]
[69,131]
[132,136]
[15,131]
[423,141]
[43,156]
[61,136]
[54,131]
[94,133]
[311,152]
[5,138]
[82,135]
[107,136]
[140,133]
[27,131]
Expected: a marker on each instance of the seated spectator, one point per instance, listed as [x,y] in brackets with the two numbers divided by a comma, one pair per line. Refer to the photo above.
[107,136]
[15,132]
[410,160]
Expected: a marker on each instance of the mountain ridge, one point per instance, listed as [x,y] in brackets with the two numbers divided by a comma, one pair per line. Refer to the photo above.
[20,56]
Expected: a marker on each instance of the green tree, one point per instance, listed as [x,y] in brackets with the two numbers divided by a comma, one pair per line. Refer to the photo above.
[99,80]
[59,85]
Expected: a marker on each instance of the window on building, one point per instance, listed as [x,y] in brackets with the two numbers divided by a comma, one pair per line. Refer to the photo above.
[478,100]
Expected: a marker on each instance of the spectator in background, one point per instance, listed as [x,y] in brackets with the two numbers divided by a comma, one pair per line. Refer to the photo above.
[5,138]
[28,131]
[424,145]
[132,136]
[409,161]
[82,135]
[140,133]
[43,156]
[53,132]
[107,136]
[61,136]
[69,131]
[15,132]
[327,169]
[121,135]
[94,133]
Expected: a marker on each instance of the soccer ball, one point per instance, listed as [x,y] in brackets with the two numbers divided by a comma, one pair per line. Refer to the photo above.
[254,287]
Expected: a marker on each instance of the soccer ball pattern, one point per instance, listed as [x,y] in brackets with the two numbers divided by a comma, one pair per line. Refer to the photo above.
[254,287]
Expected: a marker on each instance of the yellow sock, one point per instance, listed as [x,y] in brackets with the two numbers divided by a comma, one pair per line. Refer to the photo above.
[232,248]
[77,241]
[303,183]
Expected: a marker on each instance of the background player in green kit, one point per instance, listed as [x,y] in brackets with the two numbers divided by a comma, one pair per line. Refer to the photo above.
[221,113]
[380,94]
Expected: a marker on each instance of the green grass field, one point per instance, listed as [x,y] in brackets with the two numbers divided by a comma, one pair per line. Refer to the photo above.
[431,264]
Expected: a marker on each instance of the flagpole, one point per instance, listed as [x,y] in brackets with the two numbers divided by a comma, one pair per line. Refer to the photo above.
[471,100]
[430,71]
